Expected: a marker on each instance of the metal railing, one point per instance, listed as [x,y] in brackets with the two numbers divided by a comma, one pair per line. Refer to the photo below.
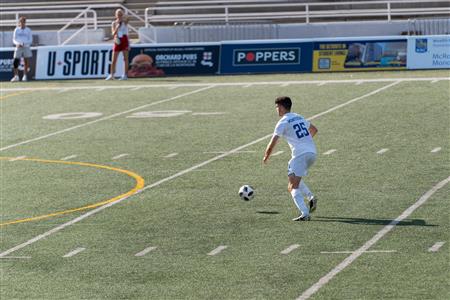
[232,11]
[429,26]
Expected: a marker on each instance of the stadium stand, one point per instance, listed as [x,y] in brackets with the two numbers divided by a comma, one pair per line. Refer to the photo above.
[81,21]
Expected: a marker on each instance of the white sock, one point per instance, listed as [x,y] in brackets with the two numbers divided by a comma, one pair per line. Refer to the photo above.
[299,202]
[305,190]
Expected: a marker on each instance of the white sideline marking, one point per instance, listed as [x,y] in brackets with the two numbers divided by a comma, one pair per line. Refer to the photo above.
[176,175]
[208,113]
[358,83]
[106,118]
[247,86]
[351,252]
[15,257]
[382,151]
[145,251]
[322,83]
[101,89]
[172,87]
[136,88]
[346,262]
[74,252]
[277,153]
[437,149]
[17,158]
[242,84]
[290,249]
[171,155]
[436,247]
[120,156]
[222,152]
[284,84]
[434,81]
[62,91]
[68,157]
[217,250]
[329,152]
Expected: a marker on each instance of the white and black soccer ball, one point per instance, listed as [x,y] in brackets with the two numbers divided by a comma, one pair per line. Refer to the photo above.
[246,192]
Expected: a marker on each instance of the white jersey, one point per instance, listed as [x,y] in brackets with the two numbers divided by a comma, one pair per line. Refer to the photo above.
[22,37]
[123,29]
[295,129]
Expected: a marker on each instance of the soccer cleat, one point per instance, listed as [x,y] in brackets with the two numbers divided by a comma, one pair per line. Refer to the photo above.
[312,204]
[24,78]
[110,77]
[302,217]
[124,77]
[15,78]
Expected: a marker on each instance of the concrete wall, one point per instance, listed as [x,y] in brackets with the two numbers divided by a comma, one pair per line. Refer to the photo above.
[213,33]
[50,37]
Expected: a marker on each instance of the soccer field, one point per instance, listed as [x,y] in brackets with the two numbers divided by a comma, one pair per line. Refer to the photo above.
[128,189]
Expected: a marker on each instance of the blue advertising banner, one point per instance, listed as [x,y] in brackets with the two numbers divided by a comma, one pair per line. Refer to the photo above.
[150,61]
[7,61]
[266,57]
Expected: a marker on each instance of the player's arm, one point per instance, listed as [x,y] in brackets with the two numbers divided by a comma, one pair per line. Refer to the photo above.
[270,147]
[312,130]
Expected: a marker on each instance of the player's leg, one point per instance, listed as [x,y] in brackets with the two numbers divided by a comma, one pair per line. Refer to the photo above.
[126,65]
[296,168]
[16,64]
[113,65]
[25,69]
[309,159]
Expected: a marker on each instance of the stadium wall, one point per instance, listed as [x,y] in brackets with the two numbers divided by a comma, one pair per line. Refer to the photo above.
[240,57]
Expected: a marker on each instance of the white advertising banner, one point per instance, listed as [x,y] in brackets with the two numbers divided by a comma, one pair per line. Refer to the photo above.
[80,61]
[429,52]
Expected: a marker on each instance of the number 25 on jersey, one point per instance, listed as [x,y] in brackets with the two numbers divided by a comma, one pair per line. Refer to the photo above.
[300,130]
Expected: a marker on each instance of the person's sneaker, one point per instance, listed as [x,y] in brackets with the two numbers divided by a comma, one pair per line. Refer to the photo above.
[312,204]
[24,78]
[15,78]
[110,77]
[302,218]
[124,77]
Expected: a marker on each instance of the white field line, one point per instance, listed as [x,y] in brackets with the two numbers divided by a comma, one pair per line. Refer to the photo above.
[437,149]
[208,113]
[329,152]
[351,252]
[247,86]
[17,158]
[120,156]
[290,249]
[62,91]
[322,83]
[222,152]
[145,251]
[136,88]
[435,81]
[384,150]
[176,175]
[74,252]
[380,234]
[242,84]
[68,157]
[284,84]
[171,155]
[101,89]
[105,118]
[16,257]
[277,153]
[217,250]
[359,83]
[436,247]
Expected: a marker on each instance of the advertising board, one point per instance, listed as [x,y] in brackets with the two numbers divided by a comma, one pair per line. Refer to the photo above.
[429,52]
[7,61]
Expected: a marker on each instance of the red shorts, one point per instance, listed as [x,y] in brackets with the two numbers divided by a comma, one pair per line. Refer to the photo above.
[124,45]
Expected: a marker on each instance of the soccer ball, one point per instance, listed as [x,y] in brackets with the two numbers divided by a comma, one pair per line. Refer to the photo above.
[246,192]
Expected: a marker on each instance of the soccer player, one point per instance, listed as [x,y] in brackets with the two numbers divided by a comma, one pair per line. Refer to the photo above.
[299,134]
[119,31]
[22,38]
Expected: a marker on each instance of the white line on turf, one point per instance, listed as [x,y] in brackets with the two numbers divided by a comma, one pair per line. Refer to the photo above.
[350,252]
[436,247]
[171,155]
[380,234]
[17,158]
[74,252]
[329,152]
[106,118]
[15,257]
[322,83]
[437,149]
[242,84]
[208,113]
[284,84]
[176,175]
[434,81]
[358,83]
[136,88]
[68,157]
[120,156]
[145,251]
[278,153]
[247,86]
[384,150]
[222,152]
[217,250]
[290,249]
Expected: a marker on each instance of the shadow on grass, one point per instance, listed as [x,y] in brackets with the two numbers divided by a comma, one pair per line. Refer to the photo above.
[362,221]
[265,212]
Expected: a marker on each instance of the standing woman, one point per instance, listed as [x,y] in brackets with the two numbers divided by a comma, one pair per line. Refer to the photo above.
[119,29]
[22,39]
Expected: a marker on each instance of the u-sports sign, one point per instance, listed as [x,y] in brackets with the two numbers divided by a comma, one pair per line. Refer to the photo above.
[90,61]
[265,57]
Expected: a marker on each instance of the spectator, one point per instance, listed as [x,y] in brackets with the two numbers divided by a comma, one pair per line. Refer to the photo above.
[22,38]
[119,29]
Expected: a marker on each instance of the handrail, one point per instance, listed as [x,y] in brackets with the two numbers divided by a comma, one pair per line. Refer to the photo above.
[82,13]
[310,10]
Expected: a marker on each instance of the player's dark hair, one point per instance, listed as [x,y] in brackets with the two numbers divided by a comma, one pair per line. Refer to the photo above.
[285,102]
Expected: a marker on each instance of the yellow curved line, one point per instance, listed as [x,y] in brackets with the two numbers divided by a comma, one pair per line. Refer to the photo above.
[139,185]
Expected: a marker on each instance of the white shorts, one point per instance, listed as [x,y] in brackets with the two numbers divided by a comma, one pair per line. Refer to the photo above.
[23,52]
[299,165]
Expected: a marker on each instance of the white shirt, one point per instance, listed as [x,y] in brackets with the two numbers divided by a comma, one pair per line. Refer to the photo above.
[295,129]
[22,37]
[123,29]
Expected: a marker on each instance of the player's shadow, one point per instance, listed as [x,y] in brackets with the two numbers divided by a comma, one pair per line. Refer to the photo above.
[268,212]
[363,221]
